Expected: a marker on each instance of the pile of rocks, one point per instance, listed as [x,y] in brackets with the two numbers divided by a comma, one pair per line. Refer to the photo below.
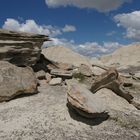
[108,92]
[18,53]
[93,90]
[24,64]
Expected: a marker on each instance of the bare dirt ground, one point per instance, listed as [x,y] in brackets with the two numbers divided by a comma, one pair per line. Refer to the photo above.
[45,116]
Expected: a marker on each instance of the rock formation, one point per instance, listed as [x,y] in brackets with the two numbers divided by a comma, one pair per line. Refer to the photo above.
[15,81]
[62,54]
[96,105]
[21,49]
[95,93]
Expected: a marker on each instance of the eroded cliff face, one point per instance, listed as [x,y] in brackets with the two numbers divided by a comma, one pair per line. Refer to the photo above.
[21,49]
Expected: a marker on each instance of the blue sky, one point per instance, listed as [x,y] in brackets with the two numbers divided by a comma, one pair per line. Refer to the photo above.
[75,24]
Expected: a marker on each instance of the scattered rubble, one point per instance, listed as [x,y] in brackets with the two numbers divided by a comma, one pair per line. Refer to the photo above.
[94,90]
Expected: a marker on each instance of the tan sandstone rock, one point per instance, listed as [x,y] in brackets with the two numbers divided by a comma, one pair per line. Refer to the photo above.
[15,81]
[21,49]
[95,105]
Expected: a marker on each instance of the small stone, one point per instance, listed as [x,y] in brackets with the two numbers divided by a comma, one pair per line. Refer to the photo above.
[55,81]
[48,77]
[41,75]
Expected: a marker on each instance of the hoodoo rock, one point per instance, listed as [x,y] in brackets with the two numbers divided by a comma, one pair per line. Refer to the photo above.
[15,81]
[21,49]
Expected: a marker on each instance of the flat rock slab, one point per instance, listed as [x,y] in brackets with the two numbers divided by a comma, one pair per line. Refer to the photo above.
[61,54]
[61,73]
[95,105]
[15,81]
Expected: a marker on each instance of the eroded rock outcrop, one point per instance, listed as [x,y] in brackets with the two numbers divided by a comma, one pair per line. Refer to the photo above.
[21,49]
[62,54]
[15,81]
[100,104]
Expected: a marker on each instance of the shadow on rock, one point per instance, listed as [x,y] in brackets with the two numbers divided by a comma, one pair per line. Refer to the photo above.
[22,96]
[89,121]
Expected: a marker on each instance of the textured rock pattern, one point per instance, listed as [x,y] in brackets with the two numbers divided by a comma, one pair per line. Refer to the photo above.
[15,81]
[95,105]
[21,49]
[55,81]
[85,70]
[61,73]
[62,54]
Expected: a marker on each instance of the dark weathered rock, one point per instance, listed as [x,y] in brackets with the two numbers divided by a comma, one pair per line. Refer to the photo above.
[61,73]
[113,81]
[15,81]
[21,49]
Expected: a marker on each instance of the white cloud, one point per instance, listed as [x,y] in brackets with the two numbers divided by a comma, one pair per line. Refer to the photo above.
[91,49]
[33,27]
[111,33]
[69,28]
[131,22]
[100,5]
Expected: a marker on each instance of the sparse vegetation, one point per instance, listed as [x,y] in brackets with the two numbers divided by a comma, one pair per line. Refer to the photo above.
[79,76]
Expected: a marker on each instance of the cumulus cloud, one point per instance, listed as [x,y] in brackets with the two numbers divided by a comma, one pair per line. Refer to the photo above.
[100,5]
[131,22]
[91,49]
[33,27]
[69,28]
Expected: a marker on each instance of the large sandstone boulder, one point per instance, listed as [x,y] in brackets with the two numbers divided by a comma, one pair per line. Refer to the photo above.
[15,81]
[100,104]
[62,54]
[21,49]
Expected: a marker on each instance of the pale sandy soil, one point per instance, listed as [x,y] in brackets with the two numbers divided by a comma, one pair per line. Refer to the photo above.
[45,116]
